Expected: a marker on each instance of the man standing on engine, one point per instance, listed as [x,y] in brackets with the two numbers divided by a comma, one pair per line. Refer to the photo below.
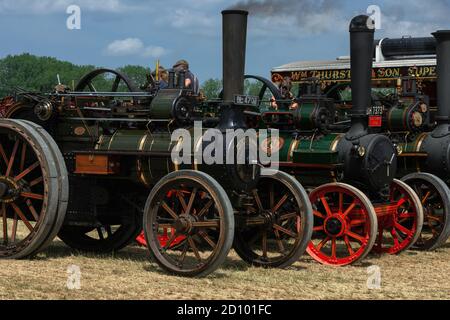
[191,81]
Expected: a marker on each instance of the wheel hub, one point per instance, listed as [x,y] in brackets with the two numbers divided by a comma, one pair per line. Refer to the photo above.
[184,224]
[9,190]
[335,226]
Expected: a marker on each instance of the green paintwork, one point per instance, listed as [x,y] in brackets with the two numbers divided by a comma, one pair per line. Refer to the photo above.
[162,104]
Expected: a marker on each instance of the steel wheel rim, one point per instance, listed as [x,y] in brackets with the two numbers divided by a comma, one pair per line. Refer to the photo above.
[195,200]
[398,230]
[353,224]
[29,176]
[279,218]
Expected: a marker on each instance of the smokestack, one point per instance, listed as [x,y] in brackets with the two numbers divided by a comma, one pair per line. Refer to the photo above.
[234,46]
[443,73]
[361,52]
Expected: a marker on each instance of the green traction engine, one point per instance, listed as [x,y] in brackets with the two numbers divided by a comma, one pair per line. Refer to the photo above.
[362,206]
[95,168]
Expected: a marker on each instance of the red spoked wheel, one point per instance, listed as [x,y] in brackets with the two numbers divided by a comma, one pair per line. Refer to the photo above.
[400,222]
[167,233]
[345,225]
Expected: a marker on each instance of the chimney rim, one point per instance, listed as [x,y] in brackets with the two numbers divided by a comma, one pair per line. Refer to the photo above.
[361,24]
[241,12]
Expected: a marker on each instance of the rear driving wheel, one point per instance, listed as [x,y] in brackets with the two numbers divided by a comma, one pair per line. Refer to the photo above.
[345,225]
[29,190]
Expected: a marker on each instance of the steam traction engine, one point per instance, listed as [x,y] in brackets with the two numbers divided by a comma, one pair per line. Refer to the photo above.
[375,210]
[425,150]
[81,165]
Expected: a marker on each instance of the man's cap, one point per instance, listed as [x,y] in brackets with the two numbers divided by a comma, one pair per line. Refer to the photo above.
[180,63]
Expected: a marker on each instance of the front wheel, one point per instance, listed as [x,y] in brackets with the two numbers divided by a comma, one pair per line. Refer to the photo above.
[435,197]
[199,212]
[345,225]
[277,228]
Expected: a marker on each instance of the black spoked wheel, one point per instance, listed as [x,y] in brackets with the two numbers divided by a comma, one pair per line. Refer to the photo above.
[30,190]
[199,214]
[278,227]
[101,239]
[434,195]
[105,80]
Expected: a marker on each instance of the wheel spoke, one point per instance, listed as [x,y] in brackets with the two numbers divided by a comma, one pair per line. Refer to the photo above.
[341,202]
[349,209]
[22,158]
[333,248]
[101,236]
[3,154]
[433,218]
[401,202]
[36,181]
[169,210]
[264,244]
[191,201]
[356,223]
[108,231]
[258,200]
[205,208]
[183,254]
[194,248]
[401,228]
[32,195]
[22,216]
[280,203]
[11,160]
[14,229]
[32,210]
[286,231]
[323,243]
[116,84]
[207,239]
[424,200]
[326,206]
[170,241]
[355,236]
[395,237]
[27,171]
[318,214]
[182,201]
[320,228]
[207,224]
[5,224]
[279,242]
[349,246]
[288,216]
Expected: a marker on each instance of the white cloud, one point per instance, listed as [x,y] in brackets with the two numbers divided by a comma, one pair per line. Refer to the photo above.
[53,6]
[134,47]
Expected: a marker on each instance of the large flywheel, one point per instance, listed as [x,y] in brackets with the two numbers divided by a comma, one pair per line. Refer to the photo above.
[33,189]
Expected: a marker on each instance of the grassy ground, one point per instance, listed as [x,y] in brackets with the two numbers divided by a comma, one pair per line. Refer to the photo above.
[130,275]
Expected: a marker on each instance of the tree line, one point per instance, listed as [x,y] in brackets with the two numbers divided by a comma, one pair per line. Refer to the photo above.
[36,73]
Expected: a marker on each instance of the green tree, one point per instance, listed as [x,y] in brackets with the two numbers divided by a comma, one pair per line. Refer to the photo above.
[212,88]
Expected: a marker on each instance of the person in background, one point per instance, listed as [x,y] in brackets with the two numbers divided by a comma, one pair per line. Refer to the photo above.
[163,75]
[191,81]
[285,88]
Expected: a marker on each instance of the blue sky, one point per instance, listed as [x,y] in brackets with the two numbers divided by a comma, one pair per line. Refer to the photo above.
[119,32]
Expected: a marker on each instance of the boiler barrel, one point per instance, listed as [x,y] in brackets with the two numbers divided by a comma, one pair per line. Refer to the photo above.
[407,46]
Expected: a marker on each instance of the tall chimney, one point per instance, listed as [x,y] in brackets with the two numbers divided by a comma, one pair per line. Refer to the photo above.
[234,46]
[443,73]
[361,53]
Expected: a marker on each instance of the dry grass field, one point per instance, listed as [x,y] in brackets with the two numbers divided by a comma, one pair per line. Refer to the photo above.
[130,275]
